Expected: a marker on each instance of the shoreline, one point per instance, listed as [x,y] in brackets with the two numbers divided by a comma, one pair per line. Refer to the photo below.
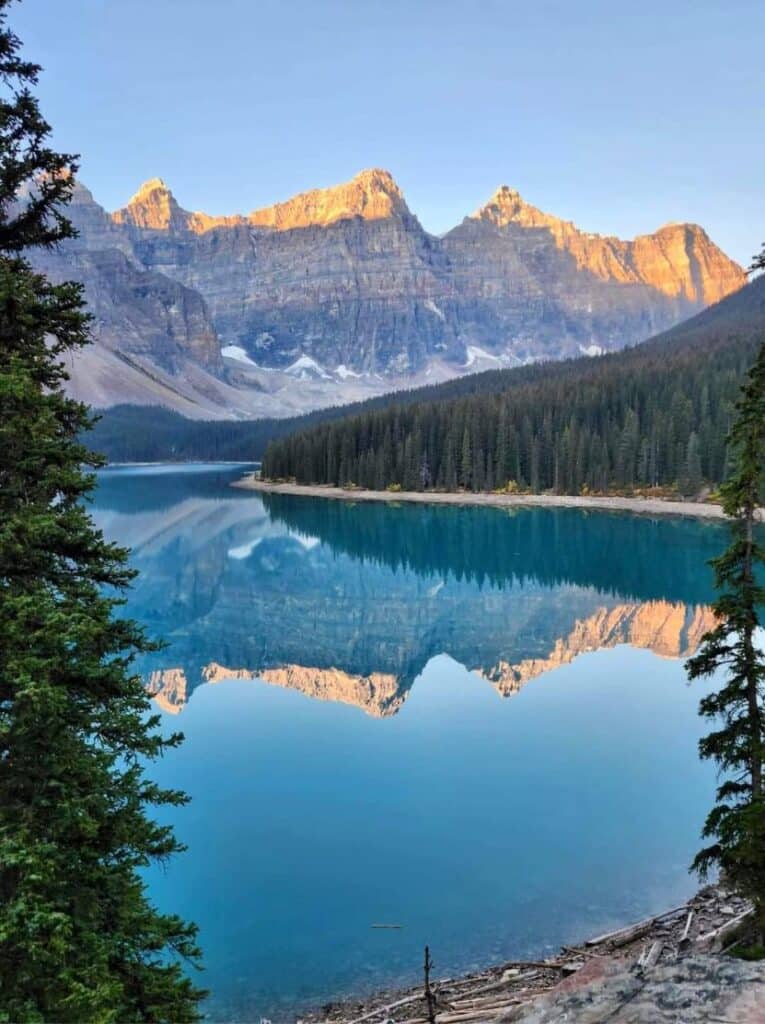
[702,927]
[181,463]
[639,506]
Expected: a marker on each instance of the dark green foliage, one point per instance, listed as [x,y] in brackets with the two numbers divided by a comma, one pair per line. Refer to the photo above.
[656,415]
[758,263]
[751,953]
[150,433]
[554,548]
[736,825]
[142,433]
[79,941]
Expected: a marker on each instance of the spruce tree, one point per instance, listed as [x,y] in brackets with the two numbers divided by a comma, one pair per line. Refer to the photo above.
[758,263]
[79,939]
[736,824]
[692,480]
[466,464]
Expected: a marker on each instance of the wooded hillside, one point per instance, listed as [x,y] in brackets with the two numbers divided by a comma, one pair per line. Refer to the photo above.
[654,415]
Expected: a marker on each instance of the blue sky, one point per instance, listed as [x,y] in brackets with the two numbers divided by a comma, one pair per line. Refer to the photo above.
[617,115]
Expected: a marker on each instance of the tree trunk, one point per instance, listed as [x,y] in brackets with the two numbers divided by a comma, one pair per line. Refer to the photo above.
[755,723]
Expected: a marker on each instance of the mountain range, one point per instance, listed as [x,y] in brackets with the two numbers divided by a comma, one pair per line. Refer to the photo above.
[339,294]
[382,590]
[668,630]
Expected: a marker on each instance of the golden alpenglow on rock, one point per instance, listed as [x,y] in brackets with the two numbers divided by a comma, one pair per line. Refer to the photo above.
[666,629]
[169,688]
[679,260]
[670,630]
[340,293]
[371,195]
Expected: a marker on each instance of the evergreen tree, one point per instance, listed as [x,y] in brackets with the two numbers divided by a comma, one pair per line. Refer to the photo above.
[79,940]
[466,463]
[619,420]
[693,480]
[758,263]
[736,825]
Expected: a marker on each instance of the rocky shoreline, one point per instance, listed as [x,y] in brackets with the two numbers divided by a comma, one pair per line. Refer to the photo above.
[667,969]
[644,506]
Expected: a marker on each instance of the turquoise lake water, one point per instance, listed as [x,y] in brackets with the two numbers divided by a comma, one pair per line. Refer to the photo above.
[470,723]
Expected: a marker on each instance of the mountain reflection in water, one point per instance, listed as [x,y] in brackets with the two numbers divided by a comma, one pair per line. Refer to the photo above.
[347,603]
[408,790]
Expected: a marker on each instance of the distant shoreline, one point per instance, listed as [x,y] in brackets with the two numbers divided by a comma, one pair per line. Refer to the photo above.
[181,463]
[178,464]
[641,506]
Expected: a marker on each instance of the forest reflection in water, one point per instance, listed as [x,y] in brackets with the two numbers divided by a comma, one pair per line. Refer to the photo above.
[348,602]
[357,761]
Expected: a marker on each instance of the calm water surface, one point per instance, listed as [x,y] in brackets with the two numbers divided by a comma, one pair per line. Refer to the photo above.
[470,723]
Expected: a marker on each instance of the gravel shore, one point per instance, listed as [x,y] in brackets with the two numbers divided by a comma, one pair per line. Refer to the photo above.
[666,969]
[644,506]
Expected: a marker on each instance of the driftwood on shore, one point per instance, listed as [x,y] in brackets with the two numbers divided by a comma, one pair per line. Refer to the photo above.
[716,938]
[503,992]
[622,936]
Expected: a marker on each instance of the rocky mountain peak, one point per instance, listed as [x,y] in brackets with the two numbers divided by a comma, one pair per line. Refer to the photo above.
[341,290]
[153,207]
[679,259]
[372,195]
[682,260]
[507,206]
[152,185]
[377,179]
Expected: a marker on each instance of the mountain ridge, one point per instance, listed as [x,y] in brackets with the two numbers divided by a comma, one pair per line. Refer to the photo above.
[624,260]
[374,194]
[668,629]
[655,415]
[339,294]
[723,337]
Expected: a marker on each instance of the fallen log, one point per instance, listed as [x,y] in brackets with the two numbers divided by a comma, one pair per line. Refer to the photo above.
[482,1007]
[716,938]
[622,936]
[651,957]
[684,938]
[477,1014]
[475,1004]
[385,1009]
[502,983]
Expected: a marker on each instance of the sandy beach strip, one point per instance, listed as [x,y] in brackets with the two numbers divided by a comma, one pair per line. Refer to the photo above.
[644,506]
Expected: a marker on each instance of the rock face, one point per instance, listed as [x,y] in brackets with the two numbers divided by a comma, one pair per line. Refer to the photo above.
[169,688]
[693,990]
[671,630]
[678,260]
[142,313]
[550,290]
[343,284]
[378,694]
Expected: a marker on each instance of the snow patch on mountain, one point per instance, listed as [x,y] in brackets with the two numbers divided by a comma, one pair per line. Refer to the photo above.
[244,550]
[306,541]
[474,353]
[238,353]
[305,368]
[430,305]
[344,372]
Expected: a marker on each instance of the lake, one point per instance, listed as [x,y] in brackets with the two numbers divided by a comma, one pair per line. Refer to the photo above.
[468,722]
